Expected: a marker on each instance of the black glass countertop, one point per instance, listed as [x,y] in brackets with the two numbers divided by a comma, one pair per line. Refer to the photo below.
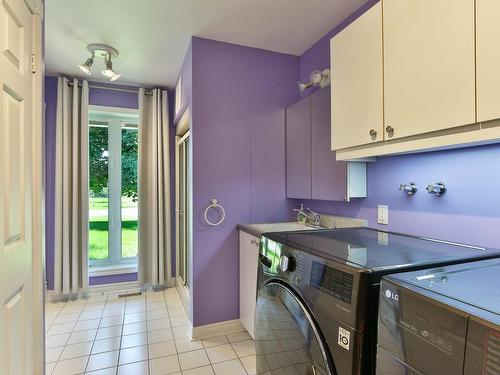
[379,250]
[476,284]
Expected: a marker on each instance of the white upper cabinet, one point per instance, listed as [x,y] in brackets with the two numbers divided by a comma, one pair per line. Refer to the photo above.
[488,59]
[357,82]
[429,67]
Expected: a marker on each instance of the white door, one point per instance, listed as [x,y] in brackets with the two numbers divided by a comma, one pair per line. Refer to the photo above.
[16,127]
[429,67]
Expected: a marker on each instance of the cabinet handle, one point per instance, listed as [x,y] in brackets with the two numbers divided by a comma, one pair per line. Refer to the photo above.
[373,133]
[389,130]
[255,243]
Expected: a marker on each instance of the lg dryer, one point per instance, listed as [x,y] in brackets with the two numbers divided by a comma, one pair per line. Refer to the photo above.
[318,295]
[441,321]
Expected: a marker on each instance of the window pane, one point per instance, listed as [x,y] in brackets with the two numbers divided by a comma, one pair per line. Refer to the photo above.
[98,193]
[129,198]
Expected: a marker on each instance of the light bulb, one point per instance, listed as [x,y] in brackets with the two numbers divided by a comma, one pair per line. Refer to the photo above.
[85,67]
[115,77]
[108,71]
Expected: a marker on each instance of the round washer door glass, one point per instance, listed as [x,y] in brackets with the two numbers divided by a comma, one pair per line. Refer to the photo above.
[286,339]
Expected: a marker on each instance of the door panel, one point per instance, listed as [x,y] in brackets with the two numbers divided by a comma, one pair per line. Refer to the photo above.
[298,150]
[429,67]
[329,176]
[357,82]
[487,59]
[16,123]
[286,338]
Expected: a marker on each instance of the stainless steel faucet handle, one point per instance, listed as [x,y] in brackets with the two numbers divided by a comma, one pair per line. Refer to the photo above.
[409,189]
[437,189]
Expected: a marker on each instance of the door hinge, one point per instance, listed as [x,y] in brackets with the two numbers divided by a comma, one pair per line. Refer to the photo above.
[33,63]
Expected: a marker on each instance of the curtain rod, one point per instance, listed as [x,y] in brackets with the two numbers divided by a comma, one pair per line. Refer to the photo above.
[148,92]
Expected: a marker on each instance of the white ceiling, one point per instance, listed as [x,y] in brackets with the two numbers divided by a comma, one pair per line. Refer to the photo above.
[153,35]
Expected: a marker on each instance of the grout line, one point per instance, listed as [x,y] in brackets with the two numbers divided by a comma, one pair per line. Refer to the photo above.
[127,303]
[95,337]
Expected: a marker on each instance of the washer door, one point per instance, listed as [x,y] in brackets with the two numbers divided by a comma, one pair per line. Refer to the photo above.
[287,340]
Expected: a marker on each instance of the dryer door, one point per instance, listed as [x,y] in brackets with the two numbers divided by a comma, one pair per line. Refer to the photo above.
[287,339]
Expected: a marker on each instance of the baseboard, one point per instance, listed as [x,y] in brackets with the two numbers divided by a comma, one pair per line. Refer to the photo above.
[184,295]
[215,329]
[129,286]
[115,287]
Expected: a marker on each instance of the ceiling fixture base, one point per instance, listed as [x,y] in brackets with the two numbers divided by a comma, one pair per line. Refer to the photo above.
[102,50]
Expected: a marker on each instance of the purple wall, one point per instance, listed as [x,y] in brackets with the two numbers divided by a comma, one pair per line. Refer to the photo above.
[469,212]
[50,162]
[238,134]
[96,97]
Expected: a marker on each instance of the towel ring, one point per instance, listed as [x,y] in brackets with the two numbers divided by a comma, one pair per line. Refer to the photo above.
[215,205]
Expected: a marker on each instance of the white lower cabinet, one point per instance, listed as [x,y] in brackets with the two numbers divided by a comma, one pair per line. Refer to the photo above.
[249,258]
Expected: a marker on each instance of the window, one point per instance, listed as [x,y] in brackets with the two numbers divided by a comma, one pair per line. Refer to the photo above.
[113,190]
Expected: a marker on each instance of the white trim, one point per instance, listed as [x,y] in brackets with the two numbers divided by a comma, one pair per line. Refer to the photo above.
[183,125]
[38,198]
[184,294]
[215,329]
[463,136]
[115,269]
[115,287]
[178,96]
[105,108]
[183,138]
[35,7]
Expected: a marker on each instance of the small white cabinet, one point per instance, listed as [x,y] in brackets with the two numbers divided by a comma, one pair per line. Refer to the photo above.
[249,258]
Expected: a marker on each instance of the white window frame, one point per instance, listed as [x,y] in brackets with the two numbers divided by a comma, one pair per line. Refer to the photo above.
[114,116]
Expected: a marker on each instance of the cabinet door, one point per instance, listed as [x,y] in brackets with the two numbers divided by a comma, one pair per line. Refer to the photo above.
[429,73]
[249,255]
[357,82]
[328,174]
[298,150]
[487,59]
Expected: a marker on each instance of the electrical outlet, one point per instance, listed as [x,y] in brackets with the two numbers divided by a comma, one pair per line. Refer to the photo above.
[383,238]
[383,214]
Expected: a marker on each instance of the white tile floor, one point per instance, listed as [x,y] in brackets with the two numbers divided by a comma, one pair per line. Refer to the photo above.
[138,335]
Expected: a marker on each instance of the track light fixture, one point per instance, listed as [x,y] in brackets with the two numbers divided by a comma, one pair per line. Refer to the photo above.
[107,53]
[316,78]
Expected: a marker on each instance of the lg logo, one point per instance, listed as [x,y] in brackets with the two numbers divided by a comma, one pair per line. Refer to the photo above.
[391,295]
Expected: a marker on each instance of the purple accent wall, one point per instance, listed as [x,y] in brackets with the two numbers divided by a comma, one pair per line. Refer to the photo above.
[468,212]
[50,162]
[110,98]
[238,134]
[111,279]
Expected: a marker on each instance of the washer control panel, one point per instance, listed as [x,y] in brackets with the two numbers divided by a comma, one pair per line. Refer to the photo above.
[332,281]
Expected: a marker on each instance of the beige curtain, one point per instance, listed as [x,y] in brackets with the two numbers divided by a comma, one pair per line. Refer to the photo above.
[71,211]
[154,189]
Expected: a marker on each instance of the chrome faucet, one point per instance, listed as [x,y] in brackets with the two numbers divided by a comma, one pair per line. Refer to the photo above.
[312,215]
